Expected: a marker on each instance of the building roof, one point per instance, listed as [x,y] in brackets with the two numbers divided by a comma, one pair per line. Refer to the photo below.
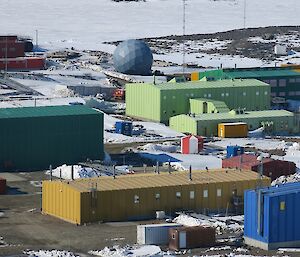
[209,84]
[247,159]
[261,74]
[251,160]
[45,111]
[161,180]
[246,115]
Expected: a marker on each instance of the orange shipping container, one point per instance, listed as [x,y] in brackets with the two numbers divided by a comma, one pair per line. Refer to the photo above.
[237,129]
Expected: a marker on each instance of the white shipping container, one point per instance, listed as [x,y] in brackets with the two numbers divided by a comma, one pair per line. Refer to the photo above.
[157,234]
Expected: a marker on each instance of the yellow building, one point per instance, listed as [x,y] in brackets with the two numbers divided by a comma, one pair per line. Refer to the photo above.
[133,197]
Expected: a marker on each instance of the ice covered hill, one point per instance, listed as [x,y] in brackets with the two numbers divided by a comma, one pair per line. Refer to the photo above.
[85,24]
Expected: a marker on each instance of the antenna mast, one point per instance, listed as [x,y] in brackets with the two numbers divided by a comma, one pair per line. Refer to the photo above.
[245,2]
[183,36]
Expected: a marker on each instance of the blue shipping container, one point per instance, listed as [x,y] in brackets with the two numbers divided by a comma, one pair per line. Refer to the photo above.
[123,127]
[234,150]
[272,216]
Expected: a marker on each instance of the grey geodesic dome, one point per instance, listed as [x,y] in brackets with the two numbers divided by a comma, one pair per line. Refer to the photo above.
[133,57]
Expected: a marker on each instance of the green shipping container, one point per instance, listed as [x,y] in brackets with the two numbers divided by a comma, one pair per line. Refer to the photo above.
[32,138]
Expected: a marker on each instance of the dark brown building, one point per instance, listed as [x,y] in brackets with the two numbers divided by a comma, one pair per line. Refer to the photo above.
[271,168]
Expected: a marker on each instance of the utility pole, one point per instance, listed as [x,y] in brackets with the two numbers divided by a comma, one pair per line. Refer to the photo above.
[5,74]
[36,38]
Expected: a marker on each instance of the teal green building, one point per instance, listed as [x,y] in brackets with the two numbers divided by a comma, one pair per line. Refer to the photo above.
[284,81]
[32,138]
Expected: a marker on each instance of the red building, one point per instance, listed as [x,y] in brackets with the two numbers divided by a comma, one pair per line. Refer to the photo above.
[271,168]
[191,144]
[12,49]
[23,63]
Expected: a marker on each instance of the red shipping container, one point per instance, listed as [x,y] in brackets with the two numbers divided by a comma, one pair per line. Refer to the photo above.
[14,49]
[271,168]
[2,185]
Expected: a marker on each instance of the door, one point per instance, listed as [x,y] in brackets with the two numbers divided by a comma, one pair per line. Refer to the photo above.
[182,240]
[205,107]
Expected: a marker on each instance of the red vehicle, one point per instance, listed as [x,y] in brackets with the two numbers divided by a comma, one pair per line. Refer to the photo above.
[119,94]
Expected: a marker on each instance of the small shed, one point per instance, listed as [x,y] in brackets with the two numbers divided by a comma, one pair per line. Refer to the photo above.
[123,127]
[191,144]
[2,185]
[272,216]
[234,150]
[233,129]
[271,168]
[191,237]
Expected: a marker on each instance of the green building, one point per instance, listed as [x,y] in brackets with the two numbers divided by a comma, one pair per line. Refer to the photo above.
[273,121]
[159,102]
[284,81]
[32,138]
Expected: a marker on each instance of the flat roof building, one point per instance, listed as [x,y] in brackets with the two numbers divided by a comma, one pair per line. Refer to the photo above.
[274,121]
[134,197]
[159,102]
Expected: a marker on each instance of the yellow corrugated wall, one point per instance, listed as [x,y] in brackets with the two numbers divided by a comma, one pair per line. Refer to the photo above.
[61,201]
[194,76]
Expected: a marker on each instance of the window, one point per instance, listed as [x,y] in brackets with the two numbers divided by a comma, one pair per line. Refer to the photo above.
[292,80]
[157,196]
[281,93]
[273,83]
[205,95]
[292,93]
[282,206]
[266,92]
[222,94]
[205,193]
[178,195]
[192,195]
[298,80]
[209,95]
[297,92]
[244,94]
[257,92]
[273,94]
[219,192]
[227,94]
[174,97]
[282,83]
[165,97]
[136,199]
[192,95]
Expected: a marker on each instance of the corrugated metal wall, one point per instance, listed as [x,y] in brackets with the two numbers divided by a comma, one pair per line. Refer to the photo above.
[33,143]
[135,204]
[151,103]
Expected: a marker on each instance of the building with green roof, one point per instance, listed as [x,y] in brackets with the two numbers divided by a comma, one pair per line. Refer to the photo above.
[32,138]
[284,81]
[273,121]
[159,102]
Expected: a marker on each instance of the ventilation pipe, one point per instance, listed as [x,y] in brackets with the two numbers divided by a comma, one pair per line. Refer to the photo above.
[190,173]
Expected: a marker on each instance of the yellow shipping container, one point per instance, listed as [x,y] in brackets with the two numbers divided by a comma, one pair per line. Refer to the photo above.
[194,76]
[133,197]
[237,129]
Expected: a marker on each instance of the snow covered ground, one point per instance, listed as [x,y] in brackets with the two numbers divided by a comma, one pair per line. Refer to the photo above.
[85,24]
[152,131]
